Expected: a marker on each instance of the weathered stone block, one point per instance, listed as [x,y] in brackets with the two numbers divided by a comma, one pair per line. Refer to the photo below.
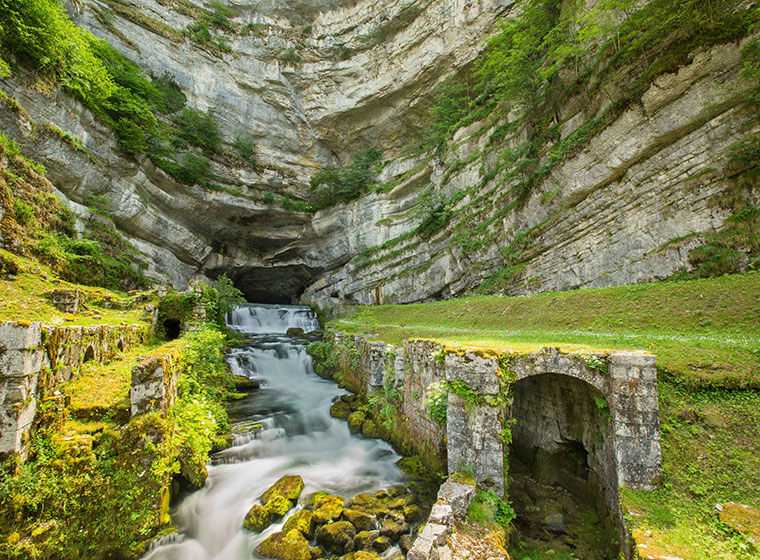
[154,383]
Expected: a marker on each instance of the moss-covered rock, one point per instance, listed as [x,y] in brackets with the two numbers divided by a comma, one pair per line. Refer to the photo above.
[405,543]
[301,521]
[370,429]
[337,537]
[340,409]
[742,519]
[295,331]
[279,506]
[317,552]
[393,528]
[359,519]
[355,421]
[258,518]
[362,555]
[412,513]
[327,508]
[364,539]
[285,546]
[289,487]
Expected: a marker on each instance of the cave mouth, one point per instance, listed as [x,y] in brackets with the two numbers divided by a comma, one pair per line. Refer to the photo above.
[172,328]
[281,285]
[558,469]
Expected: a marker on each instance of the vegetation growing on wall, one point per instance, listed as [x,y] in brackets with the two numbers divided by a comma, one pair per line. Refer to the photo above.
[332,185]
[83,475]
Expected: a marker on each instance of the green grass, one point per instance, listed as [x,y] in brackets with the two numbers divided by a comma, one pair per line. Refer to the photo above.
[705,333]
[24,297]
[711,455]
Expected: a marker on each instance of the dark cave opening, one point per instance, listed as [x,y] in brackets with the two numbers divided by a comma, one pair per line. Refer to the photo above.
[559,473]
[274,284]
[172,328]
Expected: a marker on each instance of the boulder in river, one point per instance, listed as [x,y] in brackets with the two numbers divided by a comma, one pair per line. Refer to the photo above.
[289,487]
[327,508]
[340,409]
[285,546]
[301,521]
[337,537]
[258,518]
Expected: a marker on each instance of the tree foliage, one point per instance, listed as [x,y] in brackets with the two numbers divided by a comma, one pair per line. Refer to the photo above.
[339,184]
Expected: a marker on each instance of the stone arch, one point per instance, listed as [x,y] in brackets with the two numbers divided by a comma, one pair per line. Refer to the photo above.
[89,354]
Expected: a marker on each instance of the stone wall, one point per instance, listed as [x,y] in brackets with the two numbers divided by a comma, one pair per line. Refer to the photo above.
[34,357]
[154,381]
[607,402]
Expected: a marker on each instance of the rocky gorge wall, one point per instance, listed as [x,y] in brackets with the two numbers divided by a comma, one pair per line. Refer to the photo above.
[477,406]
[627,207]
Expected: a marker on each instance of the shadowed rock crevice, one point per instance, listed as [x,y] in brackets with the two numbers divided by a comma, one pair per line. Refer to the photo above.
[559,468]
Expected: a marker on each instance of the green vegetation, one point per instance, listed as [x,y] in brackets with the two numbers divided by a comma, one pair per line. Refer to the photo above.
[36,223]
[711,455]
[290,57]
[704,332]
[81,476]
[488,506]
[340,184]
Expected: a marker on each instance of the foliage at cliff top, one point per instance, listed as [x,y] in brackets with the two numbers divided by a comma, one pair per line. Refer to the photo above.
[704,332]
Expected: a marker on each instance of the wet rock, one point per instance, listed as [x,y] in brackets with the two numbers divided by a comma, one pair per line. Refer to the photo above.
[285,546]
[289,487]
[370,429]
[362,555]
[381,544]
[555,522]
[278,506]
[340,409]
[742,519]
[355,421]
[412,513]
[301,521]
[258,518]
[295,331]
[246,384]
[337,537]
[405,543]
[327,508]
[316,552]
[394,528]
[359,519]
[364,539]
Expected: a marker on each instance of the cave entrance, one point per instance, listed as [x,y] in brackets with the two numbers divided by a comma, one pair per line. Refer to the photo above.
[281,285]
[172,328]
[559,468]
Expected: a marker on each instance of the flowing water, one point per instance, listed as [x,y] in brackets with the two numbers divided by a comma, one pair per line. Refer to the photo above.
[283,428]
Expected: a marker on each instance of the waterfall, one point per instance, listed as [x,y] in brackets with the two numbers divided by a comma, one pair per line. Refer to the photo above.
[257,318]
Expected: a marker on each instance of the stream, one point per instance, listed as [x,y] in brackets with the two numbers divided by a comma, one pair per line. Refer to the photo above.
[283,428]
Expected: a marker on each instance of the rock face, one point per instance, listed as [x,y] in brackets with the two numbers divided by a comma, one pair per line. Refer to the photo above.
[626,208]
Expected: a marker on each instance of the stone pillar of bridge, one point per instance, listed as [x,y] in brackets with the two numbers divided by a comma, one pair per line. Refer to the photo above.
[634,411]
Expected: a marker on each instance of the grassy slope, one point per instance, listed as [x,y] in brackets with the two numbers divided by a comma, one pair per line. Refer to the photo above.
[704,332]
[24,296]
[706,335]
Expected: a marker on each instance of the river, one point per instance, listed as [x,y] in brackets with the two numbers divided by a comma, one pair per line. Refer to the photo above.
[283,428]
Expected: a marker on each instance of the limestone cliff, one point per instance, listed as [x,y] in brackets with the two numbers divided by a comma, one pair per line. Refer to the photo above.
[313,81]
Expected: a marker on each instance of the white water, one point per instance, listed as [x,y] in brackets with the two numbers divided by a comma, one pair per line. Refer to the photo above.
[297,436]
[259,318]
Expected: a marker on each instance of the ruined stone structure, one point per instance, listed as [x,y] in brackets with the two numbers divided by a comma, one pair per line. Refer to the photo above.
[36,358]
[606,403]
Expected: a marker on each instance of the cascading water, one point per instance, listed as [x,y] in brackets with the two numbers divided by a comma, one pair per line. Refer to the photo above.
[283,428]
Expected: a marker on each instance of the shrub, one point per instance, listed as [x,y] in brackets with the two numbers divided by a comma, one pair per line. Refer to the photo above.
[290,57]
[199,129]
[332,184]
